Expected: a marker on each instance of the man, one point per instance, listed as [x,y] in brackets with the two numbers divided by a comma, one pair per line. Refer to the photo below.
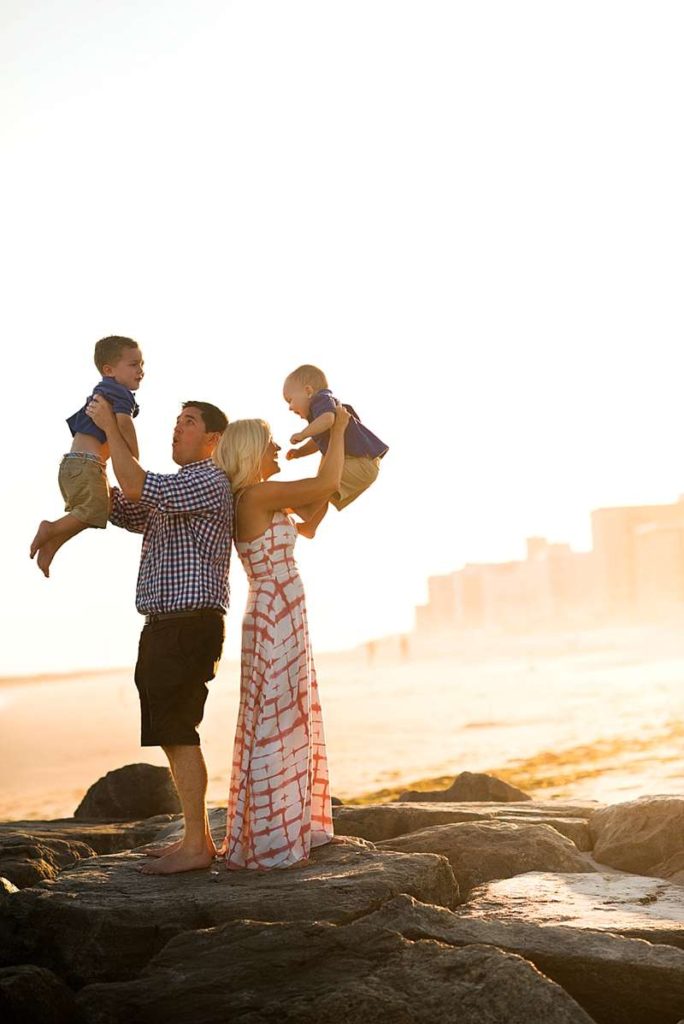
[186,519]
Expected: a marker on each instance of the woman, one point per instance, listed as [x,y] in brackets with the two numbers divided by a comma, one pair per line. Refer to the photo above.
[279,801]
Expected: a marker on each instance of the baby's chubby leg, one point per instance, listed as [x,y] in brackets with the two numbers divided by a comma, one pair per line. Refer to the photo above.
[312,515]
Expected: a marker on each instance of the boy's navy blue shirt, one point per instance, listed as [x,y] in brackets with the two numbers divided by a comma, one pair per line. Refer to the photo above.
[121,400]
[358,440]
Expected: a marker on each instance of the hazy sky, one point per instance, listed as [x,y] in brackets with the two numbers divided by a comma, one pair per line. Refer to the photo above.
[470,215]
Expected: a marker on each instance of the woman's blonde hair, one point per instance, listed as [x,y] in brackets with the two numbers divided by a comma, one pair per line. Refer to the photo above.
[240,451]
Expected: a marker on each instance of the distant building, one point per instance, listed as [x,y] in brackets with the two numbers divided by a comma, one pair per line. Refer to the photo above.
[639,554]
[636,569]
[546,587]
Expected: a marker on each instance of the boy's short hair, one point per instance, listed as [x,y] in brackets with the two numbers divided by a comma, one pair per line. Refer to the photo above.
[109,350]
[310,375]
[214,420]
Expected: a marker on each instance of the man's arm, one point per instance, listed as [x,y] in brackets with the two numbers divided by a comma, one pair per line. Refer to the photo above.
[129,515]
[129,472]
[127,428]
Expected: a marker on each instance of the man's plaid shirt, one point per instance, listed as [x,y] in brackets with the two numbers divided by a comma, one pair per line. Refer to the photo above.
[186,519]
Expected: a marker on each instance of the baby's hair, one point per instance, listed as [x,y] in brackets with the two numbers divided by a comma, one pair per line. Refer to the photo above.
[109,350]
[310,375]
[240,451]
[214,420]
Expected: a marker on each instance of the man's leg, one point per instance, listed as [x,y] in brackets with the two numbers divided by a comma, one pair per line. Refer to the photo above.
[196,849]
[163,851]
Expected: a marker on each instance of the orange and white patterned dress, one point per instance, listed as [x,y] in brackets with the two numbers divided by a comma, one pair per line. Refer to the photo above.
[279,800]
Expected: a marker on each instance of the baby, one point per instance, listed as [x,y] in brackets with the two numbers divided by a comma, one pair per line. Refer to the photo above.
[82,473]
[306,393]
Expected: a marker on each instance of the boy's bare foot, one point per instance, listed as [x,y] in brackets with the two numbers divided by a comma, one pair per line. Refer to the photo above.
[179,860]
[306,530]
[45,555]
[42,536]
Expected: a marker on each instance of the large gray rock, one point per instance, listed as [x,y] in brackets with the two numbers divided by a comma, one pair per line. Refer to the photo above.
[629,905]
[316,973]
[26,859]
[129,794]
[469,786]
[616,980]
[377,822]
[102,837]
[103,920]
[34,995]
[482,850]
[644,835]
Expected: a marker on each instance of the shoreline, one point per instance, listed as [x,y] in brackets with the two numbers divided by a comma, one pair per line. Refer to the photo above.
[556,774]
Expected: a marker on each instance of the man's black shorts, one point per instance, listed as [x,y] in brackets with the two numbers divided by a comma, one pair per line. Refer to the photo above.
[176,659]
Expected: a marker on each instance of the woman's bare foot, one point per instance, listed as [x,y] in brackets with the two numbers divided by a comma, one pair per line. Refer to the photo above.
[180,860]
[306,530]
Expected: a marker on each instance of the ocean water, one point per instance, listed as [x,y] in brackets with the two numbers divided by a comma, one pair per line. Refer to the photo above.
[596,714]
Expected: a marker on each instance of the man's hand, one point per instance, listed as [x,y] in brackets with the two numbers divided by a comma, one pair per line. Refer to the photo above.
[297,439]
[101,413]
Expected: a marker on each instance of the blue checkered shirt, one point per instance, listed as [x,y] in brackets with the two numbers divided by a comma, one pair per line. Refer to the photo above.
[186,519]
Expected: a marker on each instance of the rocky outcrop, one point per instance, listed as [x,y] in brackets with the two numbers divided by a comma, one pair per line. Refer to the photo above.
[469,786]
[481,851]
[316,973]
[629,905]
[34,995]
[102,837]
[359,932]
[26,860]
[103,920]
[617,980]
[130,793]
[644,836]
[378,822]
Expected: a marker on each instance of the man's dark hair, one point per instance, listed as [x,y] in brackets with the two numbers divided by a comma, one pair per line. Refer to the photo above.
[214,420]
[109,350]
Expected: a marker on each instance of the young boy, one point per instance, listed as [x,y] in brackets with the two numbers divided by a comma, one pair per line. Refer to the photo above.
[82,473]
[306,393]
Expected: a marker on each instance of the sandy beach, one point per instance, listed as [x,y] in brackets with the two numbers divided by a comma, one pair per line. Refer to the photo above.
[597,714]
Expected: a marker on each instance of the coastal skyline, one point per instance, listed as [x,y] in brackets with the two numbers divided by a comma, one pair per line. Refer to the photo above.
[478,244]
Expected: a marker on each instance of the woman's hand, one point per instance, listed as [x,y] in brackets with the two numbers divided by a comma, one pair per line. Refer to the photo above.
[101,412]
[342,417]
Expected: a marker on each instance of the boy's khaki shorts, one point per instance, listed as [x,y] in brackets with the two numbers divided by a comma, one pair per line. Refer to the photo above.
[358,474]
[83,483]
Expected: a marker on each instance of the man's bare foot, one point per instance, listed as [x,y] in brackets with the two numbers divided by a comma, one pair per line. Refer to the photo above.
[306,530]
[179,860]
[42,536]
[164,851]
